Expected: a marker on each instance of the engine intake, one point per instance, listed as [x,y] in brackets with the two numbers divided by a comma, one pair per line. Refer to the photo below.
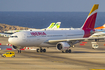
[15,47]
[62,46]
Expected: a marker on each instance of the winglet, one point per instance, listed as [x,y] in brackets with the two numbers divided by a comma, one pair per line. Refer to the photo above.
[90,21]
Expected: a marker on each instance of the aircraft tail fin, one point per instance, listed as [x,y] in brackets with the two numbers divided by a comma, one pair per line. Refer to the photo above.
[90,20]
[51,25]
[57,25]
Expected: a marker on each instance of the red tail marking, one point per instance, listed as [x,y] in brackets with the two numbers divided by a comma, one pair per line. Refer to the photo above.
[90,22]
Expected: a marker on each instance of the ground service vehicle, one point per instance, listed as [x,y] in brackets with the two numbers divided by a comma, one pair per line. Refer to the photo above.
[9,54]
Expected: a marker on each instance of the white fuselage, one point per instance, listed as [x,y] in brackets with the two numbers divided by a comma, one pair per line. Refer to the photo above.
[39,38]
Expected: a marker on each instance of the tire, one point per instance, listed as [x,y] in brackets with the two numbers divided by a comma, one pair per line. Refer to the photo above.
[20,51]
[69,50]
[96,40]
[37,50]
[4,56]
[66,51]
[62,51]
[44,50]
[13,56]
[41,50]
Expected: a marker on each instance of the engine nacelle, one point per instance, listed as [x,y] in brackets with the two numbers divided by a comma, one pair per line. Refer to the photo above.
[15,47]
[62,46]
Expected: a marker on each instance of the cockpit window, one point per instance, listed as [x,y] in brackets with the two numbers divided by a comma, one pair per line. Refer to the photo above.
[13,36]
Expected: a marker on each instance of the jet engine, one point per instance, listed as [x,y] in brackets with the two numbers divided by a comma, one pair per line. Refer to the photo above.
[15,47]
[62,46]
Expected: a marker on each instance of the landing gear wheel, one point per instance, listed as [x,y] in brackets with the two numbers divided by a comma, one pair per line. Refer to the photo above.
[96,40]
[37,50]
[69,50]
[19,51]
[63,52]
[41,50]
[66,51]
[44,50]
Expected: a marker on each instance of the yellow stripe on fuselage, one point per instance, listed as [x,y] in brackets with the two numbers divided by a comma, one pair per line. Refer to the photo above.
[95,7]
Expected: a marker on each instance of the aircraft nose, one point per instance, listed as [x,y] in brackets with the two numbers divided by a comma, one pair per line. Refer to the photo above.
[10,41]
[15,41]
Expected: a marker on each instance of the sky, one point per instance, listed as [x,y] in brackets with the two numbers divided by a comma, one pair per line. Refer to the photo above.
[51,5]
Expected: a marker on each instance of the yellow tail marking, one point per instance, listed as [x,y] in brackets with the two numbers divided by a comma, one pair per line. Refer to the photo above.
[95,7]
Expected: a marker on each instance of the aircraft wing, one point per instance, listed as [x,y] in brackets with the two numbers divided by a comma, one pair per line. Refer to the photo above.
[62,40]
[75,39]
[93,38]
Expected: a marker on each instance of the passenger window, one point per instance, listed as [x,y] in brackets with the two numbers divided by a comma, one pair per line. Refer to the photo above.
[13,36]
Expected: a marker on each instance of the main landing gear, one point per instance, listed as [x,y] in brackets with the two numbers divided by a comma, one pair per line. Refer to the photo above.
[41,50]
[19,51]
[67,51]
[96,40]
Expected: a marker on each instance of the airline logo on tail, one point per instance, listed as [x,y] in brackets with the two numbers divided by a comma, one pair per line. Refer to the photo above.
[57,25]
[54,26]
[51,25]
[90,21]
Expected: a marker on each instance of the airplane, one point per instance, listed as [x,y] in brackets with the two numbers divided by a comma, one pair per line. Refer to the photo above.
[53,25]
[101,27]
[57,25]
[61,39]
[99,33]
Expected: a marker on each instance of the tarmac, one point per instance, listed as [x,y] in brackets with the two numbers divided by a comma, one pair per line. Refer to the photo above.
[83,57]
